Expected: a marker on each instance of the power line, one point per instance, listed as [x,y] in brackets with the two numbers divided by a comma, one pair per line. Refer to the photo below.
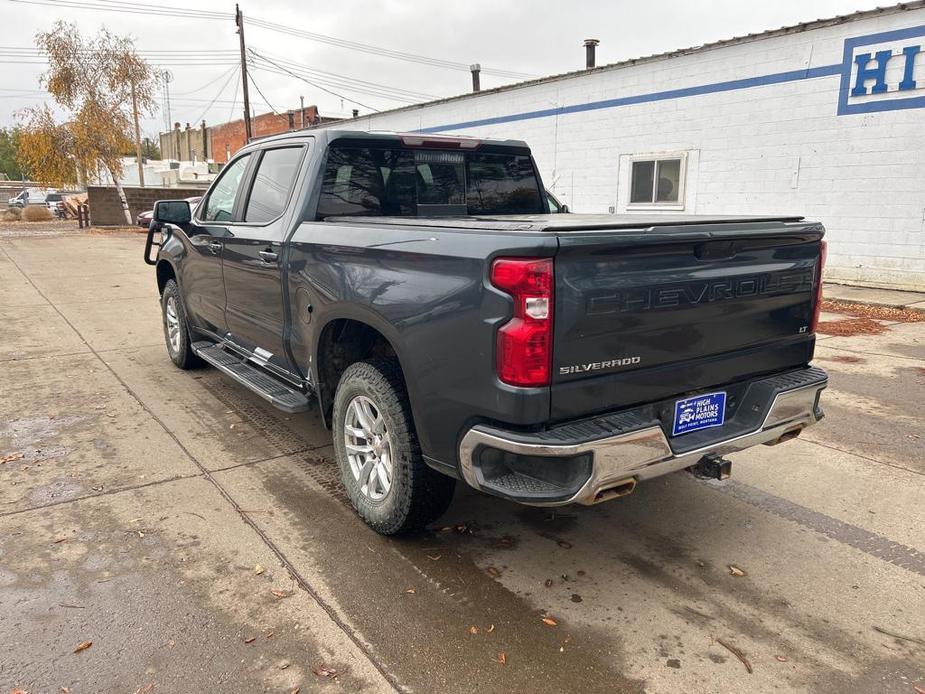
[307,81]
[346,80]
[383,52]
[290,72]
[209,83]
[259,91]
[221,91]
[159,10]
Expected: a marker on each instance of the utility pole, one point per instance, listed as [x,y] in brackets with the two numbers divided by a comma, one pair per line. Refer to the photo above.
[302,112]
[239,20]
[141,168]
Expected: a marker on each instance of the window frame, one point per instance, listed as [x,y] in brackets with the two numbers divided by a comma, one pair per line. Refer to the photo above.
[655,158]
[252,179]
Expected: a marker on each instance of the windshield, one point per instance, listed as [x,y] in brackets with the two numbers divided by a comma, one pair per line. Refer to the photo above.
[427,182]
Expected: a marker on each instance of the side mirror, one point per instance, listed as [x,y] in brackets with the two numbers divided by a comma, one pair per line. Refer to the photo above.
[564,209]
[172,212]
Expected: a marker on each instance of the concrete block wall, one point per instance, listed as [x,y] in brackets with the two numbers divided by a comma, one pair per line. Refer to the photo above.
[753,144]
[106,208]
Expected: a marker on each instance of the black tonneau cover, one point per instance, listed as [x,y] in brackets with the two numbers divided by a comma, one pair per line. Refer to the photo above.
[565,222]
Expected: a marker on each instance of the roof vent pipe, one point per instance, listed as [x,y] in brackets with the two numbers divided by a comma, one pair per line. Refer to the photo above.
[476,72]
[590,45]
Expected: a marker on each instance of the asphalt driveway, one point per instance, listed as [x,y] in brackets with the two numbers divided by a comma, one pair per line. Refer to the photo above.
[198,540]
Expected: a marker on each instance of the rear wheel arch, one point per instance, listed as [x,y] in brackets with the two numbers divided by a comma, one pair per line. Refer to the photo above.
[342,342]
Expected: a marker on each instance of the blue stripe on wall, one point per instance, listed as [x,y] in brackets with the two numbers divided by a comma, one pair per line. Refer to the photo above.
[776,78]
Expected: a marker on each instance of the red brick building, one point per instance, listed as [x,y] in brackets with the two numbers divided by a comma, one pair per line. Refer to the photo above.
[219,142]
[228,138]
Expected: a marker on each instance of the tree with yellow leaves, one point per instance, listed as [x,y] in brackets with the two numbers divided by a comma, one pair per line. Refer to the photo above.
[105,85]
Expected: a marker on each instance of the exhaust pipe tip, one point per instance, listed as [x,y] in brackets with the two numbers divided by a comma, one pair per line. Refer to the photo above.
[614,491]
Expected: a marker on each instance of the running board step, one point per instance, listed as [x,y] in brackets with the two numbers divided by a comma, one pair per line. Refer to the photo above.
[270,389]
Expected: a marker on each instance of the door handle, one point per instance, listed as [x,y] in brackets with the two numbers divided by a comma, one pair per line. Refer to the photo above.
[268,256]
[215,247]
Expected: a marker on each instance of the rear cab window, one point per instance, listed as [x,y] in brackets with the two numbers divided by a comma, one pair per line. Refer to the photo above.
[413,182]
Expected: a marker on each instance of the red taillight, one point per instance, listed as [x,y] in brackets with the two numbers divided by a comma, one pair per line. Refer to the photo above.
[524,350]
[817,306]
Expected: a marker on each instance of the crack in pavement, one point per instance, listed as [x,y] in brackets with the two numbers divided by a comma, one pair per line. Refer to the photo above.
[870,543]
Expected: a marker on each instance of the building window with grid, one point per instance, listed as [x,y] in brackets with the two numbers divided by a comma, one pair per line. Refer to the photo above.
[657,181]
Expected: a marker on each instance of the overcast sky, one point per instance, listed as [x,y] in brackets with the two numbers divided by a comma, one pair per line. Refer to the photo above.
[537,38]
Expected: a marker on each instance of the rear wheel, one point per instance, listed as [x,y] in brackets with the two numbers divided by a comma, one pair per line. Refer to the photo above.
[176,328]
[382,469]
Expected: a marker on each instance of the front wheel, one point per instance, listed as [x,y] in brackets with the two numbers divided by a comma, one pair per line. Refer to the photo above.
[176,328]
[381,466]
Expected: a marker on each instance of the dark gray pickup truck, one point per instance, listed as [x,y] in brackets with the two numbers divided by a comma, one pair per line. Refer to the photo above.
[416,290]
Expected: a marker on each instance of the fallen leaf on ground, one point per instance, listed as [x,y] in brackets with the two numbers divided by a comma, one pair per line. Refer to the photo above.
[493,572]
[736,571]
[250,639]
[473,629]
[280,594]
[324,671]
[82,646]
[65,690]
[294,691]
[502,658]
[11,457]
[411,590]
[259,569]
[780,659]
[550,622]
[490,629]
[283,665]
[146,689]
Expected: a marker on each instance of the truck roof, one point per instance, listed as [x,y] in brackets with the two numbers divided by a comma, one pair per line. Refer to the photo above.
[326,135]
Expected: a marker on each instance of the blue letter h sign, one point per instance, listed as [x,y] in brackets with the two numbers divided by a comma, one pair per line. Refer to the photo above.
[862,60]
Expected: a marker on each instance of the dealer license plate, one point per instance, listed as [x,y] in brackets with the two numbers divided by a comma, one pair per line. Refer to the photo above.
[700,412]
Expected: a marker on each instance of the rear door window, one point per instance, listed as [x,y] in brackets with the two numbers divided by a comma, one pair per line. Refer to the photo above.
[272,184]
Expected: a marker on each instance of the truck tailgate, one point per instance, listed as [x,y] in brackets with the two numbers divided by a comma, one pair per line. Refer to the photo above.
[642,315]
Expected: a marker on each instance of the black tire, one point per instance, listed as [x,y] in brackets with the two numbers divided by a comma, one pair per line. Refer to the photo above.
[418,495]
[180,351]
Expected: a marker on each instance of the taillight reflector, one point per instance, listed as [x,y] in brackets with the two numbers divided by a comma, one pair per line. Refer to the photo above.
[524,346]
[817,305]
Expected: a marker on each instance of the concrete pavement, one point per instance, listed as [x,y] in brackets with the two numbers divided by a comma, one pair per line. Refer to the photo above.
[199,539]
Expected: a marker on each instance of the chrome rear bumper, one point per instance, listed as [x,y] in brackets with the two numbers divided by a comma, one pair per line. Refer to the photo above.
[621,460]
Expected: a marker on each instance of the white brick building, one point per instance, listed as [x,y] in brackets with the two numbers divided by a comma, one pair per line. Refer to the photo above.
[825,119]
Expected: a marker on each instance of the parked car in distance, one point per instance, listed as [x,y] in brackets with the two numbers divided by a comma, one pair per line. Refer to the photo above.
[30,196]
[416,290]
[143,219]
[55,204]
